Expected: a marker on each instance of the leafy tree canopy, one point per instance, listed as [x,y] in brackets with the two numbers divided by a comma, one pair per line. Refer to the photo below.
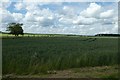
[15,28]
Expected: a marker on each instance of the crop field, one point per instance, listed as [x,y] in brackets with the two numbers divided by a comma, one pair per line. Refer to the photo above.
[40,55]
[5,35]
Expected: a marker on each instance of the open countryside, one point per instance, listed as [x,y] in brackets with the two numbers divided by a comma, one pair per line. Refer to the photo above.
[59,40]
[52,56]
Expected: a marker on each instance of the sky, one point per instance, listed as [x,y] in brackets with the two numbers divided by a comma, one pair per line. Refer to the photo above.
[81,18]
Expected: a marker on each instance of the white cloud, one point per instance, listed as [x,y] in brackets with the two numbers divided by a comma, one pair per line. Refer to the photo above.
[85,21]
[19,6]
[115,28]
[31,6]
[68,11]
[92,11]
[29,17]
[45,22]
[18,17]
[6,4]
[65,20]
[107,14]
[44,1]
[7,17]
[42,17]
[46,12]
[107,21]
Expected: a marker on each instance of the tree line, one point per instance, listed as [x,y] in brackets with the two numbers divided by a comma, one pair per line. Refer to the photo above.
[114,35]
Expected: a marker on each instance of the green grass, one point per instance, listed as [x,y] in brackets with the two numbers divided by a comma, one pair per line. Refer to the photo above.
[36,55]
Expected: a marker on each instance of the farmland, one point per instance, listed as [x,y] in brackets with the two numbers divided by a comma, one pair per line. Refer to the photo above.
[38,55]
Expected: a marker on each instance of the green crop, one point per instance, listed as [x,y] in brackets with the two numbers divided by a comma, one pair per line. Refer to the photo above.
[33,55]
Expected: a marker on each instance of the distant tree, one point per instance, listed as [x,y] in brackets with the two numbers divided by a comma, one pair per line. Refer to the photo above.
[15,29]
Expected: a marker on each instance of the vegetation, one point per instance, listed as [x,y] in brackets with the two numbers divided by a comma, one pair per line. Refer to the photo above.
[42,54]
[15,28]
[114,35]
[106,72]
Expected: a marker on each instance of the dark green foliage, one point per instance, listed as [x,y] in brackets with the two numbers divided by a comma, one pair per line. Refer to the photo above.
[114,35]
[15,28]
[42,54]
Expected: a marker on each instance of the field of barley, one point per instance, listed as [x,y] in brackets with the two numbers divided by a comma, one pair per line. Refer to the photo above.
[39,55]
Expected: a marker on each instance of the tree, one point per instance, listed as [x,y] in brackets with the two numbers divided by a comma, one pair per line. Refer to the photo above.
[15,28]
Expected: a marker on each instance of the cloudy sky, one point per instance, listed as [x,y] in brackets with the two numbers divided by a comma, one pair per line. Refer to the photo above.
[84,18]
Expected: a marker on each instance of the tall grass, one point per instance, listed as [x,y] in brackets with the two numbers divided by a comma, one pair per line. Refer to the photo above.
[39,55]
